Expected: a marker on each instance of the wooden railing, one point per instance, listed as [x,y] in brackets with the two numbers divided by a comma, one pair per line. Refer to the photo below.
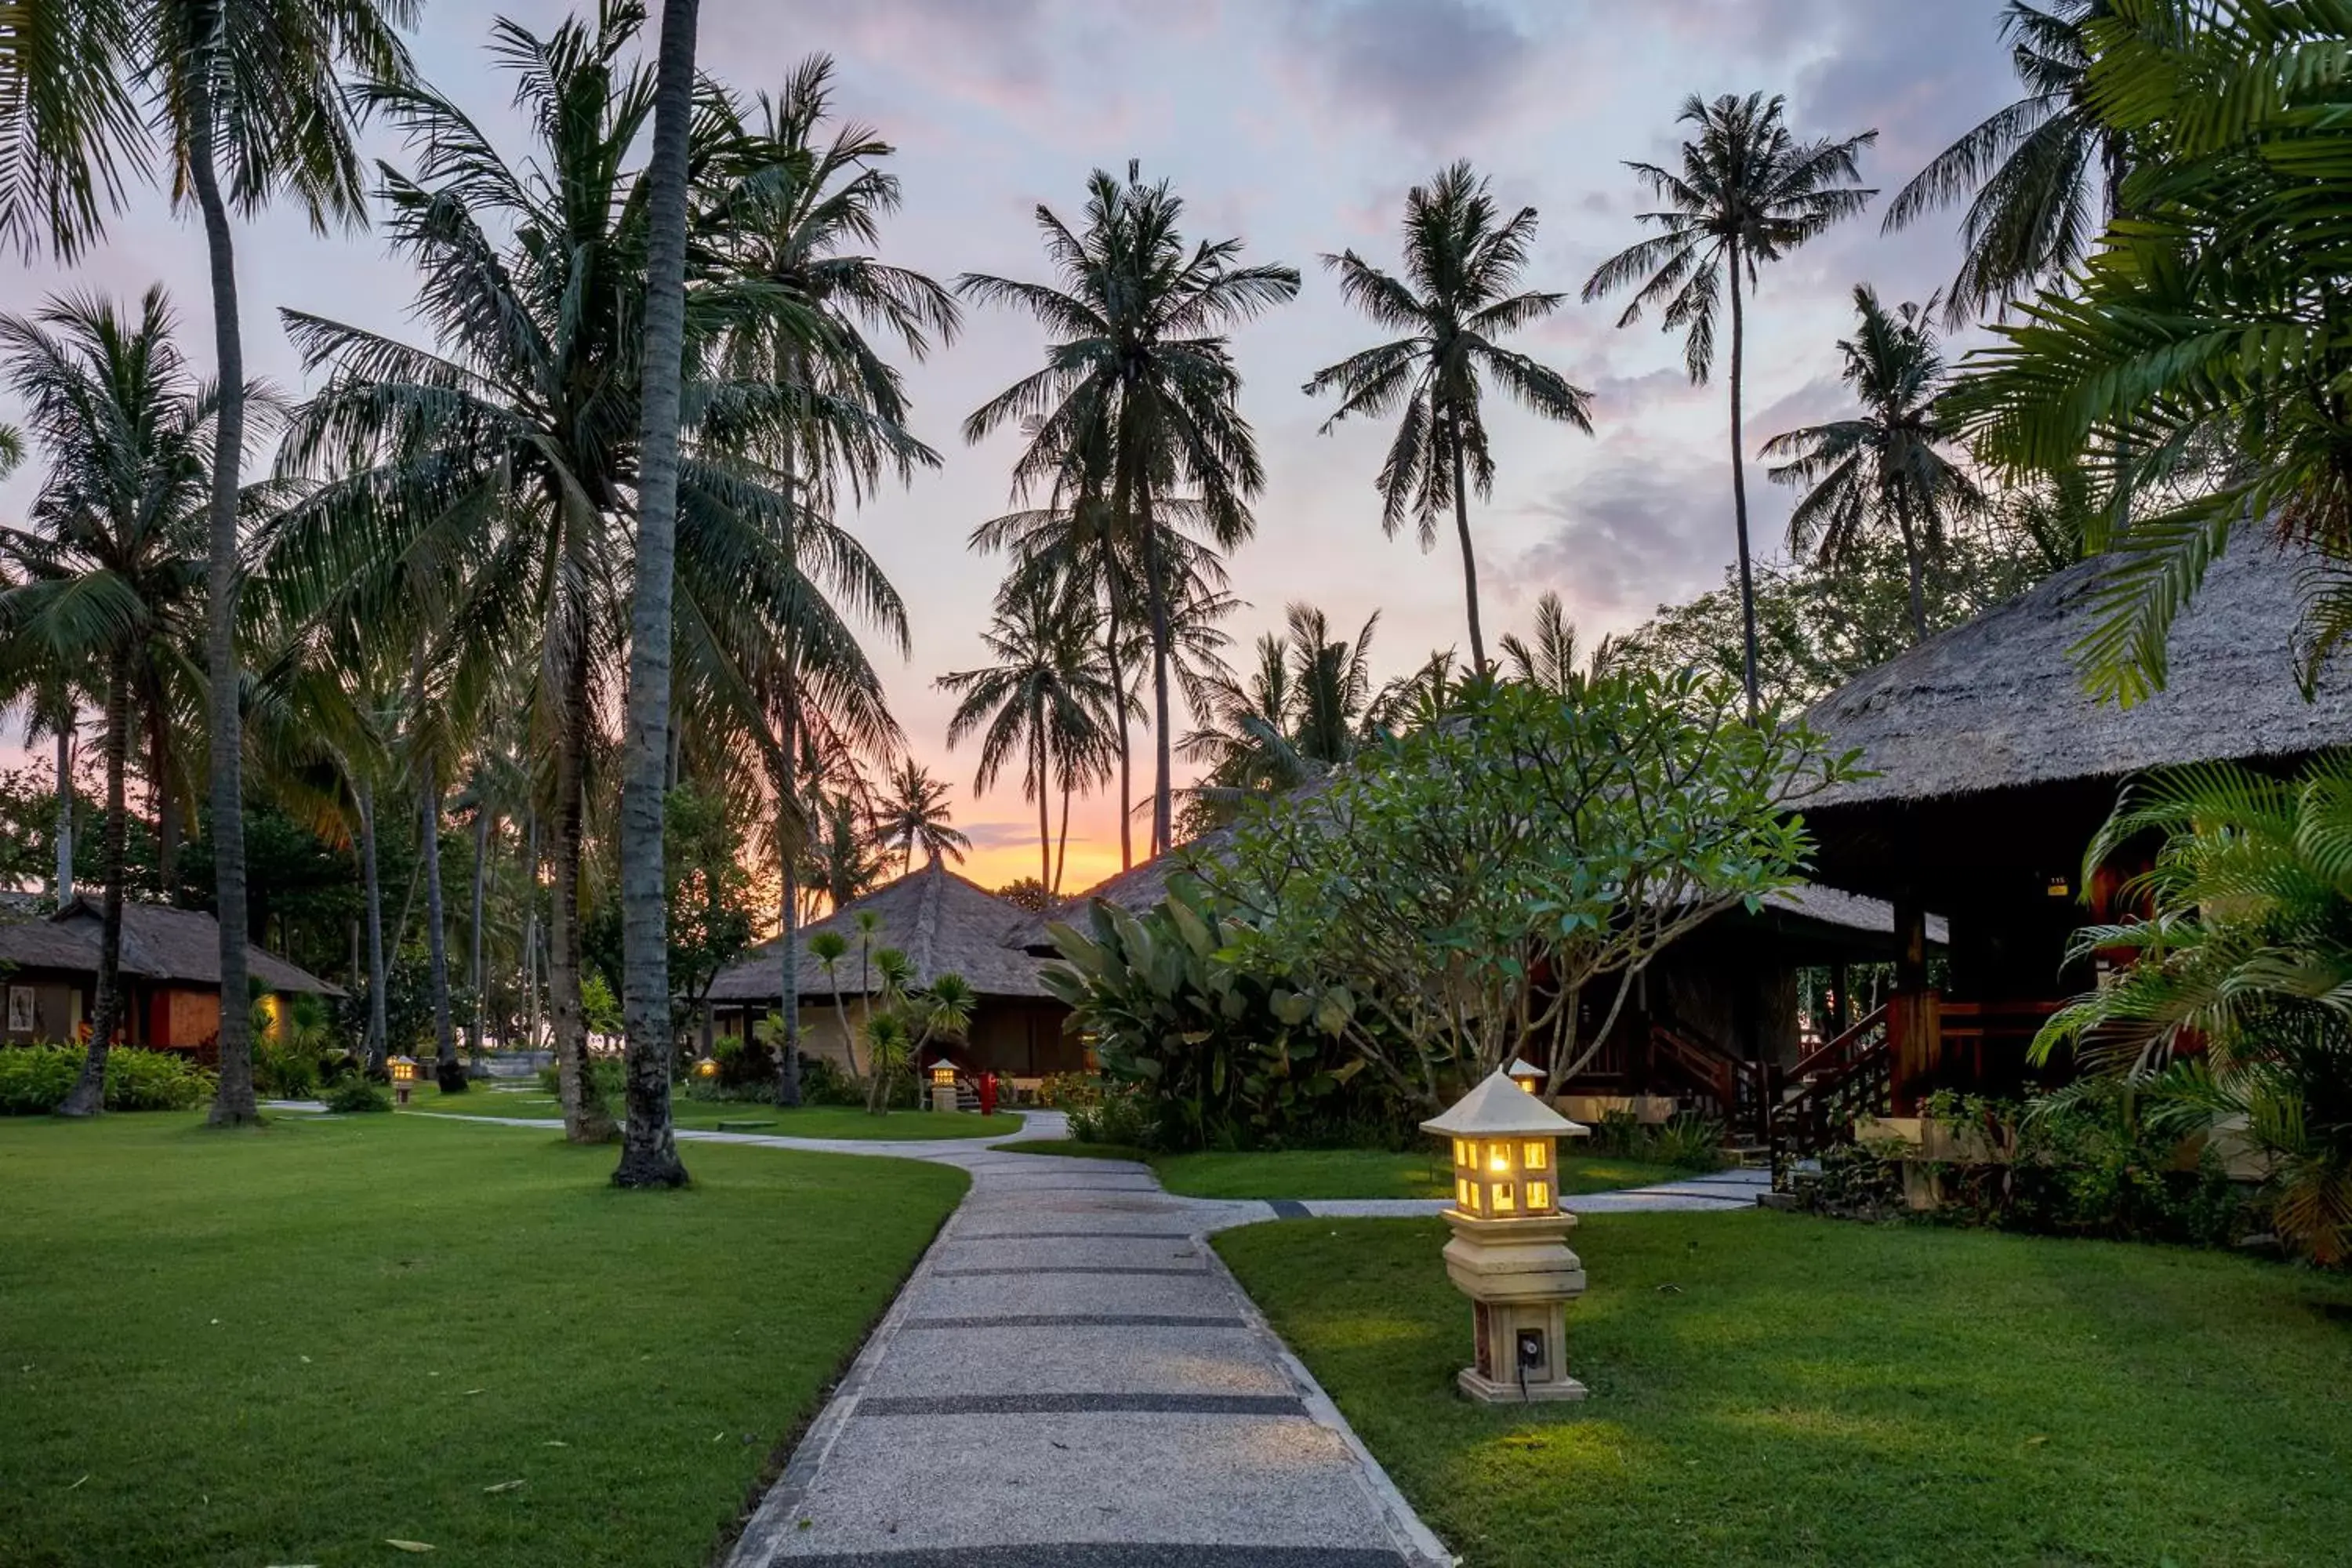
[1740,1089]
[1850,1077]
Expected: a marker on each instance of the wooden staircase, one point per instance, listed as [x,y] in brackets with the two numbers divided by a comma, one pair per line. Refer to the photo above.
[1818,1099]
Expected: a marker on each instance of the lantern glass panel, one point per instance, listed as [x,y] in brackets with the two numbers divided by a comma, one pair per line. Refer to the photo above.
[1498,1157]
[1506,1198]
[1538,1196]
[1466,1194]
[1535,1156]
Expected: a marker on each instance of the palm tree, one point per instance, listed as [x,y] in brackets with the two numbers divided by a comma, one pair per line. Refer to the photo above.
[916,815]
[828,947]
[1046,692]
[1138,394]
[2043,175]
[1553,660]
[248,97]
[1749,193]
[513,446]
[807,232]
[1310,706]
[649,1147]
[1885,468]
[110,574]
[846,859]
[1457,297]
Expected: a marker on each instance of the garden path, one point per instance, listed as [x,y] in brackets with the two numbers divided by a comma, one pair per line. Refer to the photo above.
[1071,1379]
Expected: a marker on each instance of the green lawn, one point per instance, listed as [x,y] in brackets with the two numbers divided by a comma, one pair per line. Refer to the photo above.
[808,1121]
[1334,1173]
[1771,1389]
[293,1346]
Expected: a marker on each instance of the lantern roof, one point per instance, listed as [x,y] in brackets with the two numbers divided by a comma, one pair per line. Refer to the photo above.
[1520,1067]
[1498,1108]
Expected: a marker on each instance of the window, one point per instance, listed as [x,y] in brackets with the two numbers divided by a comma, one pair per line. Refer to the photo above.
[1534,1157]
[1506,1198]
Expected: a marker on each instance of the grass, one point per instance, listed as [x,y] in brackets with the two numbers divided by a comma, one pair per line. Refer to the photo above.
[1771,1389]
[807,1121]
[1333,1173]
[296,1345]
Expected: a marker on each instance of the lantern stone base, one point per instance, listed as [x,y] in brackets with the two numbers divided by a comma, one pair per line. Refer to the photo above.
[1519,1275]
[943,1097]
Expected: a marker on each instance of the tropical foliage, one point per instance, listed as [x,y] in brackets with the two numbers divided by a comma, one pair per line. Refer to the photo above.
[2230,1017]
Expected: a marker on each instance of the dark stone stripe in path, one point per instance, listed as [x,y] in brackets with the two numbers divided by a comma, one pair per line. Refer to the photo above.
[1119,1554]
[1060,1268]
[1081,1321]
[1078,1403]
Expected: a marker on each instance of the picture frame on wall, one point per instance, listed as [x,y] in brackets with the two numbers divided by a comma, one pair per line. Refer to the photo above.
[21,1016]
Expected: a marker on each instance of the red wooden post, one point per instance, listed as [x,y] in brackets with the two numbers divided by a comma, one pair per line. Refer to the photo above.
[1913,1023]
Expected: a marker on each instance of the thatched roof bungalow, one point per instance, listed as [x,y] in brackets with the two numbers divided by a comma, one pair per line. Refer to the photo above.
[944,924]
[170,973]
[1994,767]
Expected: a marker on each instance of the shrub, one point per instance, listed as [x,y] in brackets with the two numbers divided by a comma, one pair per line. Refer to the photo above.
[35,1079]
[286,1072]
[1125,1114]
[822,1082]
[356,1095]
[605,1073]
[1686,1141]
[156,1080]
[1070,1091]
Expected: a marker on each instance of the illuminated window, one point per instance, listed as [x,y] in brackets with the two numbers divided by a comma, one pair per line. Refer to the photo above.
[1506,1198]
[1498,1158]
[1534,1157]
[1466,1194]
[1538,1196]
[1461,1155]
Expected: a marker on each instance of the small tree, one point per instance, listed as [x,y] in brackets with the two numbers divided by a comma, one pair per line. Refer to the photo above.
[828,948]
[1457,894]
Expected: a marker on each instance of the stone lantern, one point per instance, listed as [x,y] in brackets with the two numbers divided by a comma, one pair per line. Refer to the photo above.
[1509,1253]
[943,1085]
[1527,1075]
[404,1077]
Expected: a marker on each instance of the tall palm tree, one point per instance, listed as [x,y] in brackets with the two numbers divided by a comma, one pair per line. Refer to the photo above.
[513,445]
[649,1147]
[915,814]
[1138,394]
[1883,469]
[2041,176]
[809,232]
[1554,660]
[1308,706]
[110,573]
[1749,194]
[1046,691]
[1459,296]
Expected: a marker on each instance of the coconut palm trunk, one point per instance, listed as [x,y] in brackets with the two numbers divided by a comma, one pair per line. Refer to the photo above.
[446,1070]
[88,1096]
[166,799]
[585,1119]
[1126,749]
[1469,557]
[65,847]
[1740,483]
[233,1103]
[475,979]
[649,1145]
[530,931]
[1045,801]
[1155,590]
[379,1029]
[788,996]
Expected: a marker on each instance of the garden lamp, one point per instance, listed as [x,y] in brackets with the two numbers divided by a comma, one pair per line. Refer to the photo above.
[943,1085]
[1509,1253]
[1527,1075]
[706,1067]
[404,1077]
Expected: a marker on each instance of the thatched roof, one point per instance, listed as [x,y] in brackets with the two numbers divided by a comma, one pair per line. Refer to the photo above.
[1144,886]
[1999,702]
[943,923]
[159,944]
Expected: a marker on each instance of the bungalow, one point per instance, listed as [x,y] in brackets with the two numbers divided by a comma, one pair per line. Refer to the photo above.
[944,924]
[1992,769]
[170,975]
[1712,1025]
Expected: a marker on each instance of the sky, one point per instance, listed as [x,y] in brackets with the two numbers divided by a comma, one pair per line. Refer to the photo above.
[1297,125]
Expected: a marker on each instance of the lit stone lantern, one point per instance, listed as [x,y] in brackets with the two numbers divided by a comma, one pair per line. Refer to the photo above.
[943,1085]
[1509,1253]
[404,1077]
[1527,1075]
[706,1067]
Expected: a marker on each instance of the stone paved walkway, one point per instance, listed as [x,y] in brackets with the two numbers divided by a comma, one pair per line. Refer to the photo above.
[1071,1379]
